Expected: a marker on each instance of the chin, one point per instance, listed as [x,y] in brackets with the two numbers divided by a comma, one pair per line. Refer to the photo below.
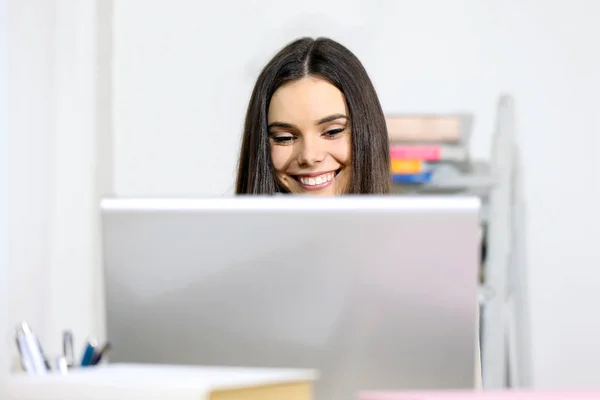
[320,193]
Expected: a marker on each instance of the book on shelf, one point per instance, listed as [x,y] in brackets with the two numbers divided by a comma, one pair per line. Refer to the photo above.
[408,166]
[430,153]
[425,128]
[412,179]
[151,381]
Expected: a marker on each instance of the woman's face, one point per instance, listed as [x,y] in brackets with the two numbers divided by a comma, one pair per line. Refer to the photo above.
[310,137]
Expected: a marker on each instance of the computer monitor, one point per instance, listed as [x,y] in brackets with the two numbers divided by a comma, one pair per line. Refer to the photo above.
[375,293]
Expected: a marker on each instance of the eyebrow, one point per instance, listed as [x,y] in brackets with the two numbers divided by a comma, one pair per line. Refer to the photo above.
[321,121]
[331,118]
[281,125]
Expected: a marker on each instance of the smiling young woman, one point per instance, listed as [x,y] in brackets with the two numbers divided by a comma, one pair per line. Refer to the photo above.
[314,125]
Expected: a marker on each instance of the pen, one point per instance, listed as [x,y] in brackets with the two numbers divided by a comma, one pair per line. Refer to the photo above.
[30,346]
[25,358]
[99,354]
[88,353]
[68,352]
[61,366]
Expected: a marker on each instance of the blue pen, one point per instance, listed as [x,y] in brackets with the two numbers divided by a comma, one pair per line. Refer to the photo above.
[88,353]
[101,353]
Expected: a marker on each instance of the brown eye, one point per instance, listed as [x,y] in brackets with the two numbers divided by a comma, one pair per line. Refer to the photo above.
[333,132]
[283,139]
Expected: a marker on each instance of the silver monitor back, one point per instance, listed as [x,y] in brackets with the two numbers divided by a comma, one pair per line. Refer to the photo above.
[375,293]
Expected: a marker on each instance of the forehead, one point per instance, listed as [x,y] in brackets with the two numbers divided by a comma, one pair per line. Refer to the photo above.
[306,100]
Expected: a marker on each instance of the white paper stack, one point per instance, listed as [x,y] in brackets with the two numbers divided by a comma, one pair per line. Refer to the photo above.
[149,382]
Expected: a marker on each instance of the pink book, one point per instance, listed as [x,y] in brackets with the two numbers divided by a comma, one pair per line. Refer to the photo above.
[408,152]
[482,395]
[428,153]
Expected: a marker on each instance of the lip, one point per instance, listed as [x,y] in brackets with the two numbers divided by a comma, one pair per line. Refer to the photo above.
[313,174]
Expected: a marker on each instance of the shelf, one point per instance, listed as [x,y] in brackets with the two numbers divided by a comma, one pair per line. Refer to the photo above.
[498,183]
[446,180]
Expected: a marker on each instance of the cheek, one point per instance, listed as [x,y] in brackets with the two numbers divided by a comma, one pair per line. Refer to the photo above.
[280,157]
[342,150]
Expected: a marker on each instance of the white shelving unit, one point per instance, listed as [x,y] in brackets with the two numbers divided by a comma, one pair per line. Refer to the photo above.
[505,347]
[503,297]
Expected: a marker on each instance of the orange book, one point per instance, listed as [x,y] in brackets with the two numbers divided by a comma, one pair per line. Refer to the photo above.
[402,166]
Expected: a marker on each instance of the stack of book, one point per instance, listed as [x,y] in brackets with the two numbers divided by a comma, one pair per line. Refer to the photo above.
[421,143]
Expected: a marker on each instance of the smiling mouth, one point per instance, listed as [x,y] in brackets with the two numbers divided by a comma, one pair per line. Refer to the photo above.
[316,181]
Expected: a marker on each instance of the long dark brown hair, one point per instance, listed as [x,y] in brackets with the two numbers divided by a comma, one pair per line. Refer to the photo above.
[333,62]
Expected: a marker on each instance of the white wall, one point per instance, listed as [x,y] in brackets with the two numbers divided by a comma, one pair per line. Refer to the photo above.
[55,170]
[183,72]
[3,190]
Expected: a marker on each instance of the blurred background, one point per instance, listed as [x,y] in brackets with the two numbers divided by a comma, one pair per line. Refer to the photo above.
[147,98]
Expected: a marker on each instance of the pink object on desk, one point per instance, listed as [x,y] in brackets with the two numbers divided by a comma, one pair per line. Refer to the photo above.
[482,395]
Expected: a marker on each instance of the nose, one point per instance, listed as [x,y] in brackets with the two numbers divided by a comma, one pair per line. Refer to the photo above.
[311,153]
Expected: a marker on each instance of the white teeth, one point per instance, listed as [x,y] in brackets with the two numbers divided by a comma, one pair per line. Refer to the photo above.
[317,180]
